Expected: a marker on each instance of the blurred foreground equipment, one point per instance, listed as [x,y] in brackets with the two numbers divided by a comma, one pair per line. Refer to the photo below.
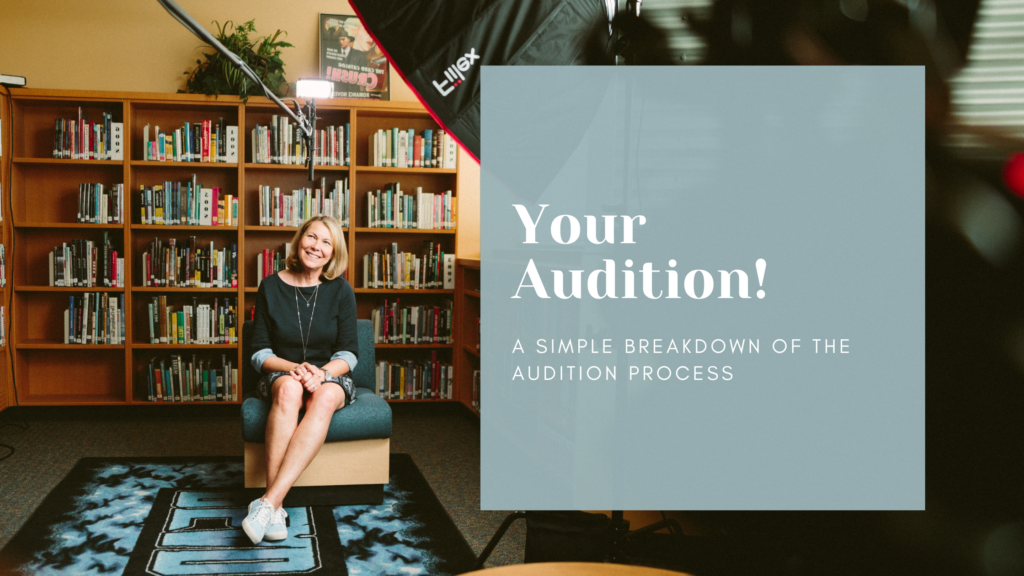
[439,47]
[974,523]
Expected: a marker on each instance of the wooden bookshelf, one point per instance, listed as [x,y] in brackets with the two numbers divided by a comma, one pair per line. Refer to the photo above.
[467,323]
[40,212]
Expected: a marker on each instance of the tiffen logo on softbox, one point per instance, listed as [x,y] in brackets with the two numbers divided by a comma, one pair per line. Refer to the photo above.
[454,73]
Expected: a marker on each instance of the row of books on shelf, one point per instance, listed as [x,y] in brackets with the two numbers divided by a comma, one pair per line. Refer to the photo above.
[282,142]
[3,327]
[194,323]
[293,208]
[174,379]
[204,141]
[394,208]
[86,263]
[394,270]
[189,264]
[3,265]
[99,204]
[94,318]
[187,203]
[80,139]
[398,148]
[333,146]
[397,324]
[412,380]
[270,262]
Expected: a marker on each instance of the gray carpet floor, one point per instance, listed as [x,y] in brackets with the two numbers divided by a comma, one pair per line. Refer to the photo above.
[443,440]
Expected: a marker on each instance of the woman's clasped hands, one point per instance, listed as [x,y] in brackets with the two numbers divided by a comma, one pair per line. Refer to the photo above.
[308,375]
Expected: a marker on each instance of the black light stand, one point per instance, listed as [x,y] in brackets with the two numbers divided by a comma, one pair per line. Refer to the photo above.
[615,537]
[310,140]
[622,535]
[306,122]
[497,538]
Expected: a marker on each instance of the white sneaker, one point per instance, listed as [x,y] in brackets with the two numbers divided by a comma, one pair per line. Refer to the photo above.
[278,528]
[255,524]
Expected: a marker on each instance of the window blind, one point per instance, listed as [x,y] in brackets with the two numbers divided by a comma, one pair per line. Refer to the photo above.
[988,92]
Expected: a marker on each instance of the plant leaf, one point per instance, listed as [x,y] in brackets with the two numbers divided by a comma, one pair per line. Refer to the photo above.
[218,76]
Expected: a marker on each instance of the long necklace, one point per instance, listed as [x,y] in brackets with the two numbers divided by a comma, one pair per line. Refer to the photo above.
[309,329]
[308,300]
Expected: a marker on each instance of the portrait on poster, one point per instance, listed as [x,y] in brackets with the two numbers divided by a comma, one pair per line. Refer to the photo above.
[351,59]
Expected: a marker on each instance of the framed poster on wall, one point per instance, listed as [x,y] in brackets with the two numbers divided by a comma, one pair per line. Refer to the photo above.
[350,59]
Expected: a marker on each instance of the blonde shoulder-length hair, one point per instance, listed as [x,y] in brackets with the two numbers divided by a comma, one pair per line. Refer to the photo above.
[339,259]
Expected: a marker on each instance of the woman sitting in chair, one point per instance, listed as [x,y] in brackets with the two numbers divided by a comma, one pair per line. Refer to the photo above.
[306,343]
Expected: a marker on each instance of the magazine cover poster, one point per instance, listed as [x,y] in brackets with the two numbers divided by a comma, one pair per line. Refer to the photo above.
[351,59]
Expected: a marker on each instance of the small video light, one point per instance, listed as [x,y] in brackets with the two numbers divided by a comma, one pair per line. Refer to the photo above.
[312,88]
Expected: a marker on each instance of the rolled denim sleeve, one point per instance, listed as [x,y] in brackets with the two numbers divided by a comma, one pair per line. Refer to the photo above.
[347,356]
[346,343]
[259,357]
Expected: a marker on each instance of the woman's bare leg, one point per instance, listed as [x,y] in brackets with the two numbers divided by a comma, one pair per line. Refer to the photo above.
[286,395]
[306,440]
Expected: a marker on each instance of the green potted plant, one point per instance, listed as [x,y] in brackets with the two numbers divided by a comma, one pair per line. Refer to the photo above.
[218,76]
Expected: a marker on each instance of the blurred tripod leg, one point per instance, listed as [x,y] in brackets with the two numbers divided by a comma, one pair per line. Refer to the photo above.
[497,537]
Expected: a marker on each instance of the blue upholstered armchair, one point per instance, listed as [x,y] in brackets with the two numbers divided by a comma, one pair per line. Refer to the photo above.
[354,458]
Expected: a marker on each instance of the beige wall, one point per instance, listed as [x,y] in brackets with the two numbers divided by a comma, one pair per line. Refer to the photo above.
[136,46]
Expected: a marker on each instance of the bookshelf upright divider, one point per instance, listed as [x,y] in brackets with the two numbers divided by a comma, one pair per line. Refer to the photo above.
[240,236]
[126,245]
[467,362]
[44,194]
[6,395]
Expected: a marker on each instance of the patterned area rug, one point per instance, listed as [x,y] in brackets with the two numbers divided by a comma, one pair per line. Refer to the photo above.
[178,516]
